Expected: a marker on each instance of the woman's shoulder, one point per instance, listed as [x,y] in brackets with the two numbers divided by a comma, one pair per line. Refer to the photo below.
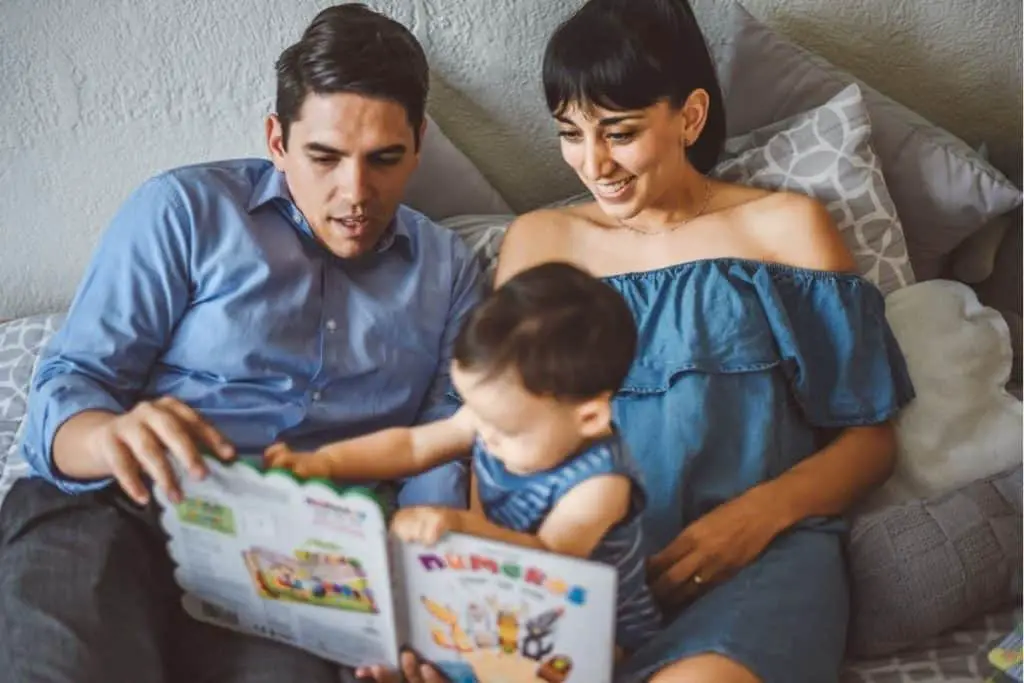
[540,236]
[792,229]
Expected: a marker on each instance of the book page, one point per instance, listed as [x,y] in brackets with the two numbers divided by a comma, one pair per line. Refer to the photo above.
[303,564]
[487,612]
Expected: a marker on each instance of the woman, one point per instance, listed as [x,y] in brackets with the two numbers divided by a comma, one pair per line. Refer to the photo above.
[759,403]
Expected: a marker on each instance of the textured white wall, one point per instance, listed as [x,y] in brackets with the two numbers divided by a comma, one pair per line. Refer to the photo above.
[99,95]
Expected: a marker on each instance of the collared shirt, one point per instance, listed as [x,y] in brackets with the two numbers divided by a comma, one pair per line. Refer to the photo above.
[209,286]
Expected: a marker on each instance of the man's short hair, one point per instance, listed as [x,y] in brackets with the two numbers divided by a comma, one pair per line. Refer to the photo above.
[353,49]
[567,334]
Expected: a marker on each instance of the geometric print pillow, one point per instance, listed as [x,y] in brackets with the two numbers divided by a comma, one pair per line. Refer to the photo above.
[826,153]
[21,341]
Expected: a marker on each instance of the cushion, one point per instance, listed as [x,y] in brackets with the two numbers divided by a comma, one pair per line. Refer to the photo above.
[446,183]
[925,566]
[963,425]
[483,235]
[944,191]
[21,341]
[826,153]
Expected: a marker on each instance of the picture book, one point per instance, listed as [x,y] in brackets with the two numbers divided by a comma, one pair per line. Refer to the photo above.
[312,565]
[1006,658]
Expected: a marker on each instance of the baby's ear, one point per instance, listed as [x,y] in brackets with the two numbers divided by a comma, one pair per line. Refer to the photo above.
[594,416]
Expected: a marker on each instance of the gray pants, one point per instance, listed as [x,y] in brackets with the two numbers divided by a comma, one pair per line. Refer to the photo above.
[87,596]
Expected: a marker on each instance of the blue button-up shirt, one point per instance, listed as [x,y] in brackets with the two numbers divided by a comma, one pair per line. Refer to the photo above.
[210,287]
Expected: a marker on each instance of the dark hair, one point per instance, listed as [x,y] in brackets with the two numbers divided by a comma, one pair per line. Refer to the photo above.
[569,335]
[631,54]
[353,49]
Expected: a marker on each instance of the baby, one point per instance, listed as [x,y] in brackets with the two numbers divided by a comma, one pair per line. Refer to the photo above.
[536,364]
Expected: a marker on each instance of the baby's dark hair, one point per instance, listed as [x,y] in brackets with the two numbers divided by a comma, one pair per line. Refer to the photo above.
[568,335]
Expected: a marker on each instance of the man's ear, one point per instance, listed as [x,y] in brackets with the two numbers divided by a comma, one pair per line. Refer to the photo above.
[275,140]
[594,416]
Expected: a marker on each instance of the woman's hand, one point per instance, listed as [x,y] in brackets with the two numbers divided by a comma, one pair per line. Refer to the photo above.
[714,547]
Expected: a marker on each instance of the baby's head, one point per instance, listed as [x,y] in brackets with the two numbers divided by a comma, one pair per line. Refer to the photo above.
[538,362]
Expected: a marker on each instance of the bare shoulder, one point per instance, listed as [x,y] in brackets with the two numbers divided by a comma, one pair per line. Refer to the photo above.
[534,238]
[797,230]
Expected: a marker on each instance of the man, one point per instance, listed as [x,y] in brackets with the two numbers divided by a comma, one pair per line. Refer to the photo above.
[230,305]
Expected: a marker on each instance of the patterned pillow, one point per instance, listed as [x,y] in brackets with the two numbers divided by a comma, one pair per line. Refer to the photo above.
[925,566]
[21,340]
[826,153]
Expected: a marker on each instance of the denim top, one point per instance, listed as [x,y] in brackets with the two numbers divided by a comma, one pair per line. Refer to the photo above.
[744,369]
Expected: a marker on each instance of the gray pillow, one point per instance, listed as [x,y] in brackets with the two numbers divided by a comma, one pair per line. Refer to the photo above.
[926,566]
[826,153]
[446,183]
[944,190]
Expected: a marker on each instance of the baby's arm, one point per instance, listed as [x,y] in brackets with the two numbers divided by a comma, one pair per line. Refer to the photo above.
[574,526]
[387,454]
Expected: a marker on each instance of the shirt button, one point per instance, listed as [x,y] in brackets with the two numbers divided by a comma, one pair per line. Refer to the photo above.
[316,395]
[331,325]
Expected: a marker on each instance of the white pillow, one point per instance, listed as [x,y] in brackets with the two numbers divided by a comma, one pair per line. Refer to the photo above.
[483,234]
[447,183]
[963,425]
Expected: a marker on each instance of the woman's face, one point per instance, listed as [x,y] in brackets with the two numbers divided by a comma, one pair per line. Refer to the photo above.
[629,160]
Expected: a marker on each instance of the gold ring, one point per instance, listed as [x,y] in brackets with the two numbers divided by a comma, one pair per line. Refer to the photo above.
[697,580]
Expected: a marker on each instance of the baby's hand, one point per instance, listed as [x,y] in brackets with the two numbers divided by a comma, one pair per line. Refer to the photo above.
[424,524]
[304,464]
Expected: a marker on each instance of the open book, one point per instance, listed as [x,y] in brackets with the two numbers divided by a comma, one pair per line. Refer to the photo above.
[312,565]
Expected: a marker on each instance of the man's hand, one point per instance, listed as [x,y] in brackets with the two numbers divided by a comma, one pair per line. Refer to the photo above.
[425,525]
[139,442]
[413,668]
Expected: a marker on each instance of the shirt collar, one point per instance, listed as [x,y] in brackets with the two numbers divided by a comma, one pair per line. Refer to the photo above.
[272,187]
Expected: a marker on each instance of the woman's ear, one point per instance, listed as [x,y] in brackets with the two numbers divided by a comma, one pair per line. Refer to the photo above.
[695,115]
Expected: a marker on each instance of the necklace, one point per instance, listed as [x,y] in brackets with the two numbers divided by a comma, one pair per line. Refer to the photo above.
[700,212]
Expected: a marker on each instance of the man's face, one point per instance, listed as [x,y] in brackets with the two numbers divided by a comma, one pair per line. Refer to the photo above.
[347,162]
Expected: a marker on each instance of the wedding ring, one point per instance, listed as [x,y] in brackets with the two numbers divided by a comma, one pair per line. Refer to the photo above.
[697,580]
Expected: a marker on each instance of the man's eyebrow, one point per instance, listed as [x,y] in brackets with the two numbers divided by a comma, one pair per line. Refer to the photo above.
[321,148]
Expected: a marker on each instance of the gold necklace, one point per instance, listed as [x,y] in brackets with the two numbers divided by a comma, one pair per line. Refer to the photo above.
[700,212]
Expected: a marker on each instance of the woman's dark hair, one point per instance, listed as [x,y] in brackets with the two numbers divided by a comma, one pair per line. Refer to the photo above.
[352,49]
[568,335]
[631,54]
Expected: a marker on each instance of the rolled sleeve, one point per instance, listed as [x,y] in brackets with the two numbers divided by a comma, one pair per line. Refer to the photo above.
[51,404]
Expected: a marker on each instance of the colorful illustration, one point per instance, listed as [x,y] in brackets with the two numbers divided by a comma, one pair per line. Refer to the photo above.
[556,669]
[539,630]
[207,514]
[480,626]
[313,577]
[508,625]
[1007,656]
[452,637]
[488,646]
